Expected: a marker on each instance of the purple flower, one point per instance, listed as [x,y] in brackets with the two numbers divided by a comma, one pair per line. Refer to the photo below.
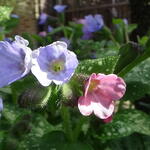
[15,60]
[53,63]
[1,104]
[50,28]
[93,23]
[60,8]
[42,18]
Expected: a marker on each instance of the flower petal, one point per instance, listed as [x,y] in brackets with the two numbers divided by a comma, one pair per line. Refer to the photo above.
[103,108]
[60,8]
[15,62]
[21,40]
[87,85]
[36,70]
[84,105]
[101,111]
[112,87]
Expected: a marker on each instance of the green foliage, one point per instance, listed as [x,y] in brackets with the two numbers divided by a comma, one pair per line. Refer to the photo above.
[125,123]
[136,90]
[138,81]
[95,49]
[50,141]
[102,65]
[128,53]
[132,142]
[4,13]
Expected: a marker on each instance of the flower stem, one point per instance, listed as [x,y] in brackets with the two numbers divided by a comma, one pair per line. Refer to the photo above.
[67,123]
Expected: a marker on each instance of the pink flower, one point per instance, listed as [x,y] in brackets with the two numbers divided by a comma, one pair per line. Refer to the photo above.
[42,33]
[107,120]
[100,93]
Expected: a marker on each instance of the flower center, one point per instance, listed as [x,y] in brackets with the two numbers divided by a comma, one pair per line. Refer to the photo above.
[57,66]
[93,85]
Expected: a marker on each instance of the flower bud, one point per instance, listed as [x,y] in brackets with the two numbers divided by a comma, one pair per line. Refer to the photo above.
[34,97]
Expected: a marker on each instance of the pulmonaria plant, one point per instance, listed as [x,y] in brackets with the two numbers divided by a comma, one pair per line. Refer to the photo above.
[100,93]
[15,60]
[53,63]
[60,8]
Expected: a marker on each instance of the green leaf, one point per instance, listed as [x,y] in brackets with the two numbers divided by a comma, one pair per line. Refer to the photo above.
[119,32]
[5,13]
[102,65]
[138,81]
[56,30]
[11,113]
[143,40]
[41,126]
[117,21]
[128,143]
[131,27]
[128,53]
[140,73]
[136,90]
[125,123]
[2,135]
[75,146]
[38,39]
[53,140]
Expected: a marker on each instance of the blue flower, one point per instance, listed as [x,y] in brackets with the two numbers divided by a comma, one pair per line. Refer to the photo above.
[42,18]
[60,8]
[15,60]
[50,28]
[93,23]
[53,63]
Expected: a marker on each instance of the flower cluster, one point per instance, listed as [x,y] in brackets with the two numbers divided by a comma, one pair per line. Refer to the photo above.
[55,63]
[51,63]
[100,93]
